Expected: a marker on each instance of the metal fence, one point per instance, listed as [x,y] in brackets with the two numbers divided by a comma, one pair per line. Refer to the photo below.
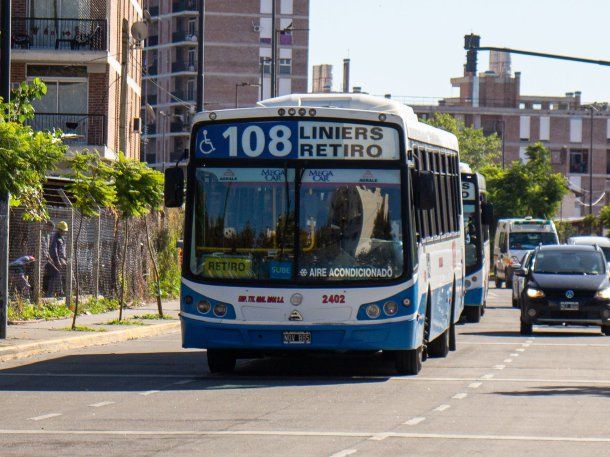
[99,252]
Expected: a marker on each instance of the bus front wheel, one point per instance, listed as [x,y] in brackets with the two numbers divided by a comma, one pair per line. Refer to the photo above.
[408,362]
[473,313]
[221,360]
[440,346]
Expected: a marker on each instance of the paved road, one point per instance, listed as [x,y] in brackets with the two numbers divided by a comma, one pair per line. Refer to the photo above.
[499,394]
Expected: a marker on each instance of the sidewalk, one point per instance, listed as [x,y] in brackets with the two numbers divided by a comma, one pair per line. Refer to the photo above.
[37,337]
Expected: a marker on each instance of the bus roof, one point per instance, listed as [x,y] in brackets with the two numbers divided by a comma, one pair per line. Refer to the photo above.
[353,104]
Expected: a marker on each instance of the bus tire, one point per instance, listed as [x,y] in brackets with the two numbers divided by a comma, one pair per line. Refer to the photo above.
[606,330]
[526,328]
[221,360]
[408,362]
[440,346]
[473,313]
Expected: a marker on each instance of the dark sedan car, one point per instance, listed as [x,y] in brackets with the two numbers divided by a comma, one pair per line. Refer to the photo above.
[566,285]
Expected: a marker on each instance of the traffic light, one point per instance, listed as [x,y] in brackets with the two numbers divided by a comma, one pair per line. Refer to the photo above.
[471,61]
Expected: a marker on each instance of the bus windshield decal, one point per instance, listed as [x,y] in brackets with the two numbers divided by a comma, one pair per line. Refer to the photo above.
[296,139]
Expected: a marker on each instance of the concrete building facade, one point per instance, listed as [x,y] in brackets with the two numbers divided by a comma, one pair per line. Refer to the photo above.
[237,63]
[562,123]
[76,48]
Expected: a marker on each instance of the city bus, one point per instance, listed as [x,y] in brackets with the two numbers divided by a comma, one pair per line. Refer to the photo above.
[320,223]
[478,217]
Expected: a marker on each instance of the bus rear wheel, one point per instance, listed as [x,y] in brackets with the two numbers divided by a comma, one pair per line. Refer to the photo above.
[221,361]
[473,313]
[408,362]
[440,346]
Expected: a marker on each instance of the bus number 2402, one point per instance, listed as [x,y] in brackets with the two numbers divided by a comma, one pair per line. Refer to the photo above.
[333,298]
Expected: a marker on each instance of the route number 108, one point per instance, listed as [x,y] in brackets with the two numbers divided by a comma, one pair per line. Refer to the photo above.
[253,141]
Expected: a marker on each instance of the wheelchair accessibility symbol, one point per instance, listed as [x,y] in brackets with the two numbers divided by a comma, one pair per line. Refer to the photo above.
[206,146]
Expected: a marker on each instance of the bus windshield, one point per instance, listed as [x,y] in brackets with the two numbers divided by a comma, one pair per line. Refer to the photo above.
[471,234]
[349,224]
[530,240]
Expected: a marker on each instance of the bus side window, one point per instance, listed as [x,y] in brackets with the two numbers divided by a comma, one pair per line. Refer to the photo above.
[431,213]
[502,243]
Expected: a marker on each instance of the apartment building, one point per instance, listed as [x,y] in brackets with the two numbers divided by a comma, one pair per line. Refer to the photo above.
[76,47]
[237,63]
[492,100]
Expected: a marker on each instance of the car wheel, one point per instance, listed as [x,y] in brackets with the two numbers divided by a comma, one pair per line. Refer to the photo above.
[221,360]
[515,303]
[526,328]
[606,330]
[440,346]
[408,362]
[473,313]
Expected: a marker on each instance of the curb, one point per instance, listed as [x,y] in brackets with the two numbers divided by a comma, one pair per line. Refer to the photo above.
[21,351]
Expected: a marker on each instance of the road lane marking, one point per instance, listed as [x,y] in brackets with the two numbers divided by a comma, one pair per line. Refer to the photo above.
[102,403]
[460,396]
[149,392]
[520,350]
[499,367]
[43,417]
[379,437]
[508,360]
[442,408]
[514,354]
[474,385]
[415,421]
[432,436]
[488,376]
[344,453]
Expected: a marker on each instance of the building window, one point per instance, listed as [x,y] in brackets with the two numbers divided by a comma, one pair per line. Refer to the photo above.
[524,128]
[191,59]
[545,128]
[265,62]
[192,27]
[576,130]
[556,158]
[579,160]
[608,162]
[190,90]
[285,66]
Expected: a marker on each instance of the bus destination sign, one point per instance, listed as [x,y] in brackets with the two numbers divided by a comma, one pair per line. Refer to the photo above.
[297,140]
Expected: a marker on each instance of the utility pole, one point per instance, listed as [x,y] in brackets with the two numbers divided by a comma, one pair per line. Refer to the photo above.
[5,93]
[200,55]
[124,86]
[273,49]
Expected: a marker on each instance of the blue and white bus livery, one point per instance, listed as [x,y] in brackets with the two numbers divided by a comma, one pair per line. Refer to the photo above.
[320,222]
[478,217]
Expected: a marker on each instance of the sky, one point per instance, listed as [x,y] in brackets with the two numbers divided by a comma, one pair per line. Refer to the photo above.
[411,48]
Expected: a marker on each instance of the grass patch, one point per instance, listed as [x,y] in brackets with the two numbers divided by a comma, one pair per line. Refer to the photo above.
[82,328]
[124,322]
[153,316]
[24,310]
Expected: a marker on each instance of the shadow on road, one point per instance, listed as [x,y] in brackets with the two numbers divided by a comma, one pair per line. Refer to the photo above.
[548,391]
[161,371]
[543,333]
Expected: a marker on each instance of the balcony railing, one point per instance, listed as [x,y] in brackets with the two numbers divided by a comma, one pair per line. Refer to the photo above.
[61,34]
[181,66]
[185,5]
[184,95]
[177,37]
[178,127]
[78,129]
[152,40]
[154,11]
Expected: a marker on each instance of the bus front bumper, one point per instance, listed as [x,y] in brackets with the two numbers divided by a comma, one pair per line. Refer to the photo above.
[386,335]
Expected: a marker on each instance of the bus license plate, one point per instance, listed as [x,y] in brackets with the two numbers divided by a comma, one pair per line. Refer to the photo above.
[297,337]
[568,306]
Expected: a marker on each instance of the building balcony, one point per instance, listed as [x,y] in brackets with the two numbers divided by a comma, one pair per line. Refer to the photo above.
[184,95]
[59,34]
[184,37]
[180,67]
[151,99]
[78,129]
[154,11]
[178,127]
[152,40]
[185,5]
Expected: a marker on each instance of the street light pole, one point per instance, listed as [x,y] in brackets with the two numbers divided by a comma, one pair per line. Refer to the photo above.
[273,49]
[591,108]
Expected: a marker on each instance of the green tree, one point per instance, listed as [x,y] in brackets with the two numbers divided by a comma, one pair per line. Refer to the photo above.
[532,188]
[476,149]
[26,156]
[91,189]
[139,190]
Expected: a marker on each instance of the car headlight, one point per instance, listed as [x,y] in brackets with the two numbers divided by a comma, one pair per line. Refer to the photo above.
[603,293]
[534,293]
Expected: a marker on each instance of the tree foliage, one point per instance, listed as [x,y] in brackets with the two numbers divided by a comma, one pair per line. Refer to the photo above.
[476,149]
[532,188]
[26,156]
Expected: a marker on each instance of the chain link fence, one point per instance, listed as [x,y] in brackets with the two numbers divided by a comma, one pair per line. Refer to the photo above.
[34,276]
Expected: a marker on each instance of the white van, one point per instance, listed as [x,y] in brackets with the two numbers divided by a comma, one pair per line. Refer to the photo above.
[601,241]
[514,237]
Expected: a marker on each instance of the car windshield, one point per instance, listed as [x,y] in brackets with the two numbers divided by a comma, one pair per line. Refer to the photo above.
[531,240]
[244,225]
[606,252]
[569,262]
[350,225]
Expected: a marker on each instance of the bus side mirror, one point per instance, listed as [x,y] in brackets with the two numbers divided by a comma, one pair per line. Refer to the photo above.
[487,214]
[174,187]
[425,190]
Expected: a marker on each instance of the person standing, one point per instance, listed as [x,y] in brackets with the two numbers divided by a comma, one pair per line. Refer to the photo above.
[58,259]
[45,251]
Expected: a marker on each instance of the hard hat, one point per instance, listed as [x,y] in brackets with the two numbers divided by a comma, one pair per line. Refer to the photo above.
[62,226]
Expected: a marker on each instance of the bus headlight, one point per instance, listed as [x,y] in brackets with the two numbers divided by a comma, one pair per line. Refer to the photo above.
[467,283]
[302,111]
[373,311]
[220,310]
[603,293]
[390,308]
[534,293]
[204,306]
